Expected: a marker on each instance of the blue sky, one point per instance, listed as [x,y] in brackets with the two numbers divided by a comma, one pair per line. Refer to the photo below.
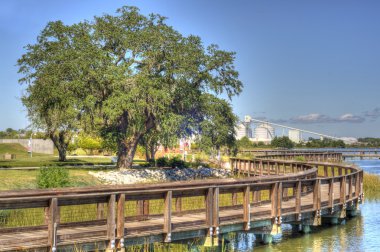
[309,64]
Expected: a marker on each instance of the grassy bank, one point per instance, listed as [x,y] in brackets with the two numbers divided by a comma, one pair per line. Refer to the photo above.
[371,186]
[20,179]
[23,158]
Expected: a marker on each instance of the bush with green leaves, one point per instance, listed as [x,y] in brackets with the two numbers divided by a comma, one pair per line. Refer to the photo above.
[177,162]
[162,162]
[300,158]
[53,177]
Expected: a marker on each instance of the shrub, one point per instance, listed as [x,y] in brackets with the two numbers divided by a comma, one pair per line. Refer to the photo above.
[198,162]
[300,158]
[162,162]
[177,162]
[52,177]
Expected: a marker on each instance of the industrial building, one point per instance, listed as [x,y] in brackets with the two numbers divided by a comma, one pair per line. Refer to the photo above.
[264,132]
[295,135]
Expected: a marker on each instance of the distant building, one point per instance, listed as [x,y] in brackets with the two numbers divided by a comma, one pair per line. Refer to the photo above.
[349,140]
[243,130]
[264,133]
[295,136]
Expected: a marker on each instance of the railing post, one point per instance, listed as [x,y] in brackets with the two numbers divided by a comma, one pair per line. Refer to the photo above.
[53,220]
[279,202]
[273,197]
[343,190]
[331,194]
[246,209]
[239,167]
[326,174]
[168,216]
[111,225]
[298,200]
[120,221]
[317,202]
[215,210]
[357,185]
[100,211]
[261,167]
[178,204]
[209,210]
[350,182]
[234,198]
[277,169]
[247,167]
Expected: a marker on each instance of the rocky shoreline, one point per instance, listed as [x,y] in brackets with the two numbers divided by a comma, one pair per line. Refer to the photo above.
[149,175]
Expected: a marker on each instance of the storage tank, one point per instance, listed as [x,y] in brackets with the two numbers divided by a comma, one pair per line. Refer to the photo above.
[264,132]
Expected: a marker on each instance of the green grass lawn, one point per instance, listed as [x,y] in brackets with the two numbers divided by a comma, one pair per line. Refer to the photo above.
[26,179]
[23,158]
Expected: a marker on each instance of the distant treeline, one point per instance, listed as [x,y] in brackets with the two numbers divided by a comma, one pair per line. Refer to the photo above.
[369,142]
[285,142]
[10,133]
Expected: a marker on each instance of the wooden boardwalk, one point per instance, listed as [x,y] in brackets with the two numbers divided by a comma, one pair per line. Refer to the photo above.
[276,191]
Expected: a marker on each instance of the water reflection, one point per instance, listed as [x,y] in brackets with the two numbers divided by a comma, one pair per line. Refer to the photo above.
[357,234]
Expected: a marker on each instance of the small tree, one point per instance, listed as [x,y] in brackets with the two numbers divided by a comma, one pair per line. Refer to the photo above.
[282,142]
[244,143]
[89,143]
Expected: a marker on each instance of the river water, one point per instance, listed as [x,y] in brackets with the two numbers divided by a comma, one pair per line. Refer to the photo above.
[358,234]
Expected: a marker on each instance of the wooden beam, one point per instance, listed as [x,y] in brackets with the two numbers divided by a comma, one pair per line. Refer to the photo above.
[298,199]
[120,221]
[234,198]
[331,194]
[178,204]
[279,201]
[168,216]
[273,197]
[215,209]
[53,220]
[246,208]
[343,190]
[317,195]
[111,224]
[209,207]
[100,213]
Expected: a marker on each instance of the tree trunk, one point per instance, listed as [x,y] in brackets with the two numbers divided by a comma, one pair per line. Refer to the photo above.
[59,142]
[62,154]
[153,150]
[147,154]
[126,152]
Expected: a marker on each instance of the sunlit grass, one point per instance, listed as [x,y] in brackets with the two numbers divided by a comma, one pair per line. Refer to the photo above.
[371,186]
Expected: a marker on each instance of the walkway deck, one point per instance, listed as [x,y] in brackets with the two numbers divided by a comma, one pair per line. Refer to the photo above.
[286,192]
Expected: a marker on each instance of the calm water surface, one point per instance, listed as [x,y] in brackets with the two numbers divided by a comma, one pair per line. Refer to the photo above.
[358,234]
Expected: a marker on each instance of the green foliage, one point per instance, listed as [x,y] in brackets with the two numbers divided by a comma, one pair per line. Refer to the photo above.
[52,177]
[89,143]
[218,126]
[177,162]
[300,158]
[325,143]
[244,143]
[162,162]
[370,142]
[282,142]
[124,74]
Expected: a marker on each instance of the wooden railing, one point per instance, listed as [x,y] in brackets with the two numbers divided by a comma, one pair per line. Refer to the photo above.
[267,192]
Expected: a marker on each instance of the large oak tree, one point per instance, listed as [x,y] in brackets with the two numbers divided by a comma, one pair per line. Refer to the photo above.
[128,73]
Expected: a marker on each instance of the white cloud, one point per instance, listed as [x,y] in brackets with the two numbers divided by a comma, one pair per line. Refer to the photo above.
[320,118]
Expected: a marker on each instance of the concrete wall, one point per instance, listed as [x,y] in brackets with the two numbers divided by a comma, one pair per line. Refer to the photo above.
[38,145]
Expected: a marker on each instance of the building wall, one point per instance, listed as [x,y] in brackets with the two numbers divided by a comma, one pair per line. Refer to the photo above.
[295,136]
[38,145]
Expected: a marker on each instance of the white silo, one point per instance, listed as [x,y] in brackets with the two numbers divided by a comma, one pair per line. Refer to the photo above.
[264,132]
